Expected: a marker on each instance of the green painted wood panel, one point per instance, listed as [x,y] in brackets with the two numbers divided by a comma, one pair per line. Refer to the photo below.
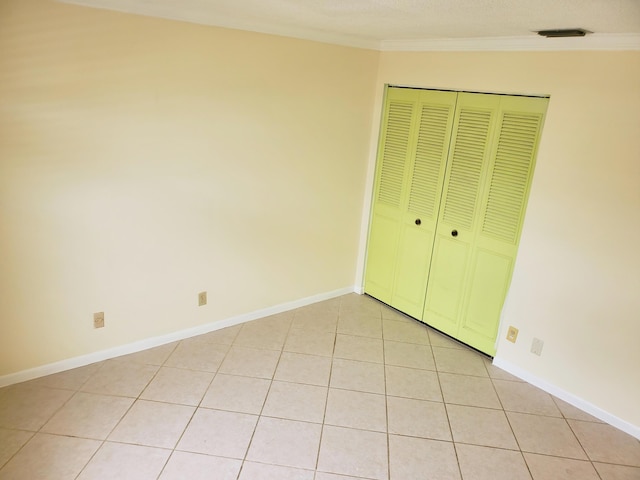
[475,119]
[502,208]
[392,167]
[416,211]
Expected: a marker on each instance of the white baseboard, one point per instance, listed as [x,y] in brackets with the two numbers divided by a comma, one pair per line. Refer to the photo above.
[134,347]
[568,397]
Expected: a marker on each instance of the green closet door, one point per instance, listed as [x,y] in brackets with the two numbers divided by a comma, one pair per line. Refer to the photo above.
[394,157]
[466,171]
[401,236]
[503,203]
[486,189]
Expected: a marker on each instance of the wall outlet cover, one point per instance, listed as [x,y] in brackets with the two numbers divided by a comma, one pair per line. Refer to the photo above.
[536,346]
[98,320]
[202,299]
[512,334]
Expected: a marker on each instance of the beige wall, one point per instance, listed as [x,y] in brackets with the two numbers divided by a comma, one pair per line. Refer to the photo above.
[143,160]
[577,280]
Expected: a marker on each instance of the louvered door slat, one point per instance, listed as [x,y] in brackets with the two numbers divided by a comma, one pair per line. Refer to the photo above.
[430,153]
[466,167]
[510,177]
[394,155]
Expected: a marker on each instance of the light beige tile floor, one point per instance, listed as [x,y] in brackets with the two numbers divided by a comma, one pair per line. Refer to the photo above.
[345,389]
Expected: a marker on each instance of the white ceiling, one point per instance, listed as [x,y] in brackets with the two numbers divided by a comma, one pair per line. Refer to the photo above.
[409,24]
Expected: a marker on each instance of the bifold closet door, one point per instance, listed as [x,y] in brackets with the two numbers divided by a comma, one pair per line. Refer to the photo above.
[452,181]
[486,188]
[413,148]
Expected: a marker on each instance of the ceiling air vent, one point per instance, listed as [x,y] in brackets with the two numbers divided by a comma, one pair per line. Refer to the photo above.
[566,32]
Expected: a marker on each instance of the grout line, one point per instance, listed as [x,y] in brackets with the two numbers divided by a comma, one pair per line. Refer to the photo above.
[326,402]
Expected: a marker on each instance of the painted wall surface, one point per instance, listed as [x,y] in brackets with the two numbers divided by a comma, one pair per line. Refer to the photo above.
[143,161]
[577,279]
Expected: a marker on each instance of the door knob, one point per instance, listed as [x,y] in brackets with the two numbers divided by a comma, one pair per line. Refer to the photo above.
[418,221]
[454,233]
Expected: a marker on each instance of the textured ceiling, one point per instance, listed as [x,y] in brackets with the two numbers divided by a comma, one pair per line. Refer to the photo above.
[371,23]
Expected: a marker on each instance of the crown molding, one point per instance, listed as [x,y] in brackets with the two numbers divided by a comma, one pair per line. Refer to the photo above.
[531,43]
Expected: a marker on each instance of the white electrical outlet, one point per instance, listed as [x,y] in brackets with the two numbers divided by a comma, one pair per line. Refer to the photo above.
[536,346]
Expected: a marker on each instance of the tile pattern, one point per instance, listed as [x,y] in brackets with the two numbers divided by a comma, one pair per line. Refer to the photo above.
[346,389]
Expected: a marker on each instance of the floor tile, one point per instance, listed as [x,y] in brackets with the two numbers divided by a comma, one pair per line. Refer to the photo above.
[352,452]
[153,424]
[438,339]
[468,390]
[360,376]
[237,394]
[260,334]
[88,415]
[499,374]
[333,476]
[524,398]
[419,458]
[367,326]
[617,472]
[364,411]
[175,385]
[285,442]
[151,356]
[205,357]
[604,443]
[464,362]
[262,471]
[223,336]
[481,426]
[408,355]
[413,383]
[418,418]
[214,432]
[296,401]
[300,368]
[125,462]
[360,304]
[574,413]
[125,379]
[323,309]
[313,321]
[543,467]
[10,442]
[365,304]
[359,348]
[50,457]
[28,407]
[349,386]
[407,332]
[279,321]
[484,463]
[250,362]
[70,379]
[195,466]
[546,435]
[301,340]
[389,313]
